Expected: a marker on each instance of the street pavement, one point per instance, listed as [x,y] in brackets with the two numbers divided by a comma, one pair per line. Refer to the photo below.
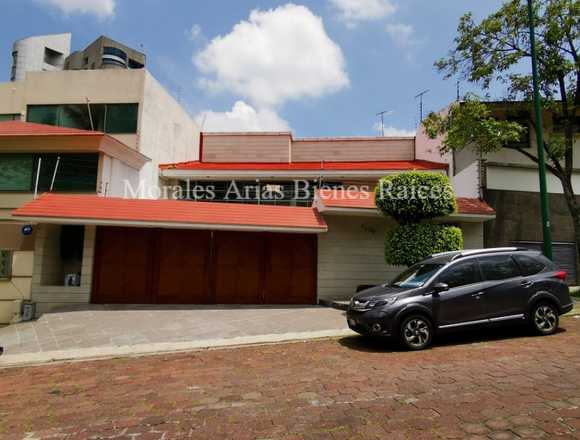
[500,385]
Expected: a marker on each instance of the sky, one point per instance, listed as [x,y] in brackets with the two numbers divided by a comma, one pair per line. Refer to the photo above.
[317,68]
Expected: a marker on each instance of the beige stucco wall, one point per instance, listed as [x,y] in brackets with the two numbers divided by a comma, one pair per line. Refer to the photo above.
[17,288]
[167,133]
[351,253]
[247,147]
[49,297]
[336,150]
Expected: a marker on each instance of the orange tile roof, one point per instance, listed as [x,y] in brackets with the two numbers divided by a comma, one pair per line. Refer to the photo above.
[337,198]
[307,166]
[110,210]
[21,128]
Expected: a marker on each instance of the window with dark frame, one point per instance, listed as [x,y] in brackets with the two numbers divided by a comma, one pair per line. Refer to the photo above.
[5,264]
[460,274]
[498,267]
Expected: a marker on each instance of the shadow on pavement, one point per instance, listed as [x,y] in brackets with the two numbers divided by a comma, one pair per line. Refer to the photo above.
[387,345]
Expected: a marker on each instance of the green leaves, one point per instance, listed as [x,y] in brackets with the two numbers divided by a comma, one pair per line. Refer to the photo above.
[410,198]
[414,196]
[470,124]
[408,244]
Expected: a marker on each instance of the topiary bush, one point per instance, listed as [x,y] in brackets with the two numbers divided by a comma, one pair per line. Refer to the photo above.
[413,196]
[408,244]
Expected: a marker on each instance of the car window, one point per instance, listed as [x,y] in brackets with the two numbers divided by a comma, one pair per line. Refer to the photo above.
[460,274]
[416,275]
[498,267]
[529,265]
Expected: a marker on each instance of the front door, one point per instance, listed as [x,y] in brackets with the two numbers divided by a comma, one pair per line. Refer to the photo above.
[463,303]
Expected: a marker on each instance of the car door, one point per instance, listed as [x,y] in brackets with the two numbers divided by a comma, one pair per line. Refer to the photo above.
[504,289]
[462,303]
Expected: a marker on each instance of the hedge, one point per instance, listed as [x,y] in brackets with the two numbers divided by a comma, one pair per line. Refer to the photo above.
[410,243]
[413,196]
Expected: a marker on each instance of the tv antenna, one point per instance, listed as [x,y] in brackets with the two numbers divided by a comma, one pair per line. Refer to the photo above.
[382,116]
[420,96]
[458,94]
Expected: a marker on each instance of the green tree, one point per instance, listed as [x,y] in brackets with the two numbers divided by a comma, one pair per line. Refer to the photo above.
[493,52]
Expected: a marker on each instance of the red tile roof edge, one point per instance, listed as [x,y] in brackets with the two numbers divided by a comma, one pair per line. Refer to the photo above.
[22,128]
[366,200]
[161,211]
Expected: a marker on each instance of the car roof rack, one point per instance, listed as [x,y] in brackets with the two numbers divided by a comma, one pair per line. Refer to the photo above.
[470,252]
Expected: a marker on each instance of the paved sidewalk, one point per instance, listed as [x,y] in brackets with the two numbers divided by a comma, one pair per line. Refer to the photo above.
[113,331]
[499,385]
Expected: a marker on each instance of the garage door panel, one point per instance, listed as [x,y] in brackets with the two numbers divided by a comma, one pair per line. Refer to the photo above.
[122,272]
[238,267]
[183,263]
[291,269]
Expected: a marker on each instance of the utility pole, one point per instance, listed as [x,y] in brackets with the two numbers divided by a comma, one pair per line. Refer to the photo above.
[420,96]
[544,203]
[382,114]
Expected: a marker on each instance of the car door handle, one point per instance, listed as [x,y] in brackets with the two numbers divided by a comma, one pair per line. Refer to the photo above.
[478,295]
[526,283]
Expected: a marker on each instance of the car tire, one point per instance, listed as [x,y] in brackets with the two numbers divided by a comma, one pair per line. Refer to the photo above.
[416,332]
[544,318]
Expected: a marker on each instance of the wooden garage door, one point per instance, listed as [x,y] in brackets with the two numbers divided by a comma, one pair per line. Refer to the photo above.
[164,266]
[122,271]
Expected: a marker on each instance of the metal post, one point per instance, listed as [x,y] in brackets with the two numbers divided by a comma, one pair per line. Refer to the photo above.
[544,203]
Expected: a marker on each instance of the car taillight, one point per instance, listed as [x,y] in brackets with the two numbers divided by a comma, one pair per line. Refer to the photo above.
[561,275]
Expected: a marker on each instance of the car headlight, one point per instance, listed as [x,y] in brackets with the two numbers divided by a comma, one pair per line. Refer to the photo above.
[382,302]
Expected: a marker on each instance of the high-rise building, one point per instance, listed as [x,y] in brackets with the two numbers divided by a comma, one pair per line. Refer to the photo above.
[105,53]
[39,53]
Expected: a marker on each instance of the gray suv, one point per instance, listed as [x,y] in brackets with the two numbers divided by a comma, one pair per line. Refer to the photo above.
[461,290]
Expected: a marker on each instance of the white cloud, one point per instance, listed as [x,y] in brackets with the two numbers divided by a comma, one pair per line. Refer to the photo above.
[100,8]
[194,33]
[402,34]
[275,56]
[391,131]
[352,12]
[242,117]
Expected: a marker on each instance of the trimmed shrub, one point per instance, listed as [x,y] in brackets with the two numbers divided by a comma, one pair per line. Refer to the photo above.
[414,196]
[410,243]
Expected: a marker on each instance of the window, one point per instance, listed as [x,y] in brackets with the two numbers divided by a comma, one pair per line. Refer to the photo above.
[16,172]
[460,274]
[498,267]
[75,172]
[10,117]
[416,275]
[5,264]
[53,57]
[109,118]
[528,265]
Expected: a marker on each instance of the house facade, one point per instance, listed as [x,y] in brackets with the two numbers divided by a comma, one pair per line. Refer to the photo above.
[250,218]
[116,127]
[508,181]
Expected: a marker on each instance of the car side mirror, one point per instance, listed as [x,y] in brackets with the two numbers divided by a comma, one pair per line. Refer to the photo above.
[441,287]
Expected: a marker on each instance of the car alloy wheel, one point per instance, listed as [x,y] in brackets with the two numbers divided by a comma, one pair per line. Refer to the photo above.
[545,318]
[416,332]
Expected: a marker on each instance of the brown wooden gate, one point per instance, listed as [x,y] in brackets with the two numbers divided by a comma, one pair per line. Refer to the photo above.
[168,266]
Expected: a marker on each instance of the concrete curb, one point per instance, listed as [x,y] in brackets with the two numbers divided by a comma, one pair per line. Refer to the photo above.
[107,352]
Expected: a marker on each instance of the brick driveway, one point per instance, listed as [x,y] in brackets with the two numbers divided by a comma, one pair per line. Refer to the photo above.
[506,385]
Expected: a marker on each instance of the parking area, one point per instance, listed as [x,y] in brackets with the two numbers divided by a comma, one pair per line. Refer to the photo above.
[103,330]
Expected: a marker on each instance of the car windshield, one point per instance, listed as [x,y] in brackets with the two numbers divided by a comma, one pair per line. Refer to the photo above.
[416,275]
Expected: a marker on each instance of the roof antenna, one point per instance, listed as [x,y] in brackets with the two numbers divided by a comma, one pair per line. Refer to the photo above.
[458,95]
[420,96]
[382,115]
